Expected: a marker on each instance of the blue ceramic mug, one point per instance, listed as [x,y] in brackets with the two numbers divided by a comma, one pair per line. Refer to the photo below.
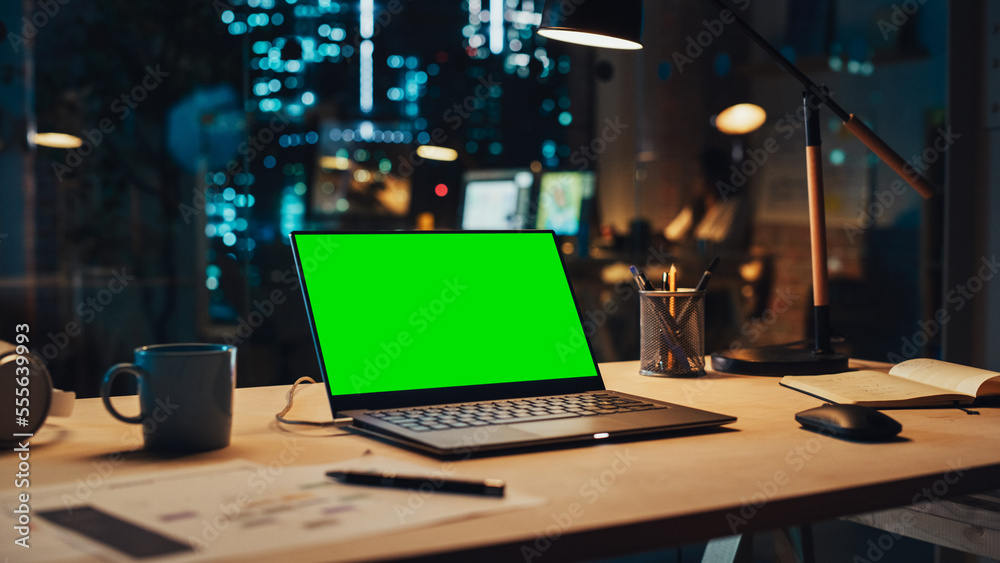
[185,395]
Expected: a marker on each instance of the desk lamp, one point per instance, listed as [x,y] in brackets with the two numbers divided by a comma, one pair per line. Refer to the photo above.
[617,24]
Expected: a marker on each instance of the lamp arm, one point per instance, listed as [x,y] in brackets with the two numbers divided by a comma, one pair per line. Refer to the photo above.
[889,156]
[851,121]
[786,64]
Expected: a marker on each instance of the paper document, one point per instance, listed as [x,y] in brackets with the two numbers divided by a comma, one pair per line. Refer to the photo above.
[236,508]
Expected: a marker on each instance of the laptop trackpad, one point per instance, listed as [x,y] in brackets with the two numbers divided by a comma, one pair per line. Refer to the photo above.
[575,426]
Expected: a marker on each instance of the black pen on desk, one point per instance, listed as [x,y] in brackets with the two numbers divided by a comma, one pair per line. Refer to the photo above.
[484,487]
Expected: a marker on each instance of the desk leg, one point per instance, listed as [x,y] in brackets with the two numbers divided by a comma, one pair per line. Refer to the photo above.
[791,545]
[794,544]
[730,549]
[802,537]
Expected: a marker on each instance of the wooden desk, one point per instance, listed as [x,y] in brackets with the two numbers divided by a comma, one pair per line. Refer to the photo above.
[605,499]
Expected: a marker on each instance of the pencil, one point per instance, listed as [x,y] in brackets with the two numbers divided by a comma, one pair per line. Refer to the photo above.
[672,283]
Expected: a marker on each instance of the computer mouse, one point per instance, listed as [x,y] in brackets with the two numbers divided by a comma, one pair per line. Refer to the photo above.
[851,422]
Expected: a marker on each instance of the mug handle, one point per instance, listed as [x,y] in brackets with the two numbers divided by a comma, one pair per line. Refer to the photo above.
[109,377]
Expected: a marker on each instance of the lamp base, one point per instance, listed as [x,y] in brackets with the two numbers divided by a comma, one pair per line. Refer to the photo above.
[778,361]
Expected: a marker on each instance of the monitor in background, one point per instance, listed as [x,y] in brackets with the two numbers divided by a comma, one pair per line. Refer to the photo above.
[346,182]
[346,187]
[497,200]
[561,199]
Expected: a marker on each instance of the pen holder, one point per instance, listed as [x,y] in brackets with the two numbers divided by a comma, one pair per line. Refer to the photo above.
[672,333]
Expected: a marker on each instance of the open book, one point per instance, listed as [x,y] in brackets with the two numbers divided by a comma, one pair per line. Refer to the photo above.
[913,383]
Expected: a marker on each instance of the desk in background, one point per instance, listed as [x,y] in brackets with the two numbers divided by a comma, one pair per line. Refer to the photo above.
[763,472]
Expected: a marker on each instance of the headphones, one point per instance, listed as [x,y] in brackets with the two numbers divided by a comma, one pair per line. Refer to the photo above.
[24,378]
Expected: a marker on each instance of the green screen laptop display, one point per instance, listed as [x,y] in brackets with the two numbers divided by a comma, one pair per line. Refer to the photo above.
[429,310]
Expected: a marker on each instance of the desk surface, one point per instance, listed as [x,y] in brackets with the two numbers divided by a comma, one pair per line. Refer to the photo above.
[614,497]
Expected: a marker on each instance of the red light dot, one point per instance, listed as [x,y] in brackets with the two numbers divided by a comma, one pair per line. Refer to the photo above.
[441,190]
[441,57]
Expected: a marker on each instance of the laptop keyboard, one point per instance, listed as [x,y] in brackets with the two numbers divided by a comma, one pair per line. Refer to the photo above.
[465,415]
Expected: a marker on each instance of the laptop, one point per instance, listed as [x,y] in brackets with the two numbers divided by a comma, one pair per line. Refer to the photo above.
[456,343]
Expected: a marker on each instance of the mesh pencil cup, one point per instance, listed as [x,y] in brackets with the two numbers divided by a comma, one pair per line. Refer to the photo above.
[672,333]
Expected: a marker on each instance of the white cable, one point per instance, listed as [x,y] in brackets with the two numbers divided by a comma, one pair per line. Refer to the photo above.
[291,396]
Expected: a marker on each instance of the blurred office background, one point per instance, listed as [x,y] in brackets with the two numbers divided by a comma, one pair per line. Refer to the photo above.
[210,130]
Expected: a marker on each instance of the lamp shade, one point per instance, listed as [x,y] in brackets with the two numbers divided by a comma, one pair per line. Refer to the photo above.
[615,24]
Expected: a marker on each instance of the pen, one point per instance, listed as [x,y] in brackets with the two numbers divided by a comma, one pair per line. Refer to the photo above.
[702,284]
[485,487]
[672,332]
[640,279]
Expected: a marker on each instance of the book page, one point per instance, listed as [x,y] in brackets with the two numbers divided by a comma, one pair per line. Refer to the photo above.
[963,379]
[866,387]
